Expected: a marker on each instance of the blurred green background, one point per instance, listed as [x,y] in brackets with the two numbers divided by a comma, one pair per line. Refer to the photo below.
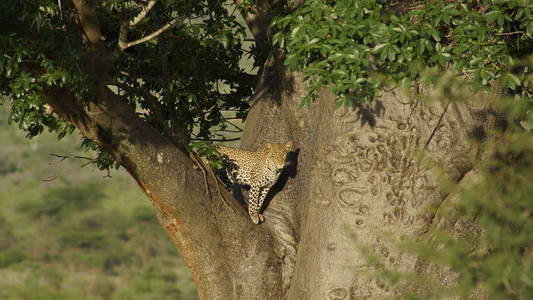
[70,232]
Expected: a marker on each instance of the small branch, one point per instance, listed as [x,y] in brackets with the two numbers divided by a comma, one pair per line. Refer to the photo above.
[123,34]
[437,125]
[232,118]
[63,157]
[49,179]
[217,140]
[125,27]
[233,125]
[509,33]
[153,34]
[142,14]
[86,164]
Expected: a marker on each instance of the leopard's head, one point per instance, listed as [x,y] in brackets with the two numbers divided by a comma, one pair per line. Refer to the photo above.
[277,155]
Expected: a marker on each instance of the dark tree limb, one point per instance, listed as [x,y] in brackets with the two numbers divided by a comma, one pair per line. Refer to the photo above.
[259,21]
[86,12]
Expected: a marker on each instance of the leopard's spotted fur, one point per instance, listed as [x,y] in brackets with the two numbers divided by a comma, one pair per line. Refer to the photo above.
[260,170]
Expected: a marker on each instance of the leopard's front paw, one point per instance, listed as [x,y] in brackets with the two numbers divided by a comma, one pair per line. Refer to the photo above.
[257,218]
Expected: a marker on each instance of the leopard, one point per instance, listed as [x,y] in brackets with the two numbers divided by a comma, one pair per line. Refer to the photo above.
[259,170]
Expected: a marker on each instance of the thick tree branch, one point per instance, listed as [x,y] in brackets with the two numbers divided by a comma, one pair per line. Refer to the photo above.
[89,22]
[100,60]
[259,21]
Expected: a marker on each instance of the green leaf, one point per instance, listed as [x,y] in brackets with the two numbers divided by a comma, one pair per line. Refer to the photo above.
[529,30]
[378,47]
[492,16]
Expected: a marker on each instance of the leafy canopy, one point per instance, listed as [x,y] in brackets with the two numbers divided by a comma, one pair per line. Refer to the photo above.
[345,43]
[190,76]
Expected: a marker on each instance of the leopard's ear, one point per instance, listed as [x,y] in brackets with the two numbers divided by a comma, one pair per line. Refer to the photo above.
[288,146]
[268,146]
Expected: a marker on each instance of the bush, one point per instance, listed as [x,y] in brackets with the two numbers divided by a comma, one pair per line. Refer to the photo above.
[60,201]
[83,239]
[10,257]
[8,167]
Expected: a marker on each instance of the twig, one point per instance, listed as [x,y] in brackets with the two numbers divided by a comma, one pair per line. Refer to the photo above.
[227,121]
[49,179]
[123,35]
[62,158]
[193,156]
[509,33]
[217,140]
[437,125]
[142,13]
[414,106]
[123,43]
[234,9]
[87,163]
[211,173]
[153,34]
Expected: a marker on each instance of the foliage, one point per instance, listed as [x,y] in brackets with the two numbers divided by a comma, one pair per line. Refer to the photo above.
[57,202]
[192,76]
[11,256]
[485,239]
[207,150]
[344,44]
[186,77]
